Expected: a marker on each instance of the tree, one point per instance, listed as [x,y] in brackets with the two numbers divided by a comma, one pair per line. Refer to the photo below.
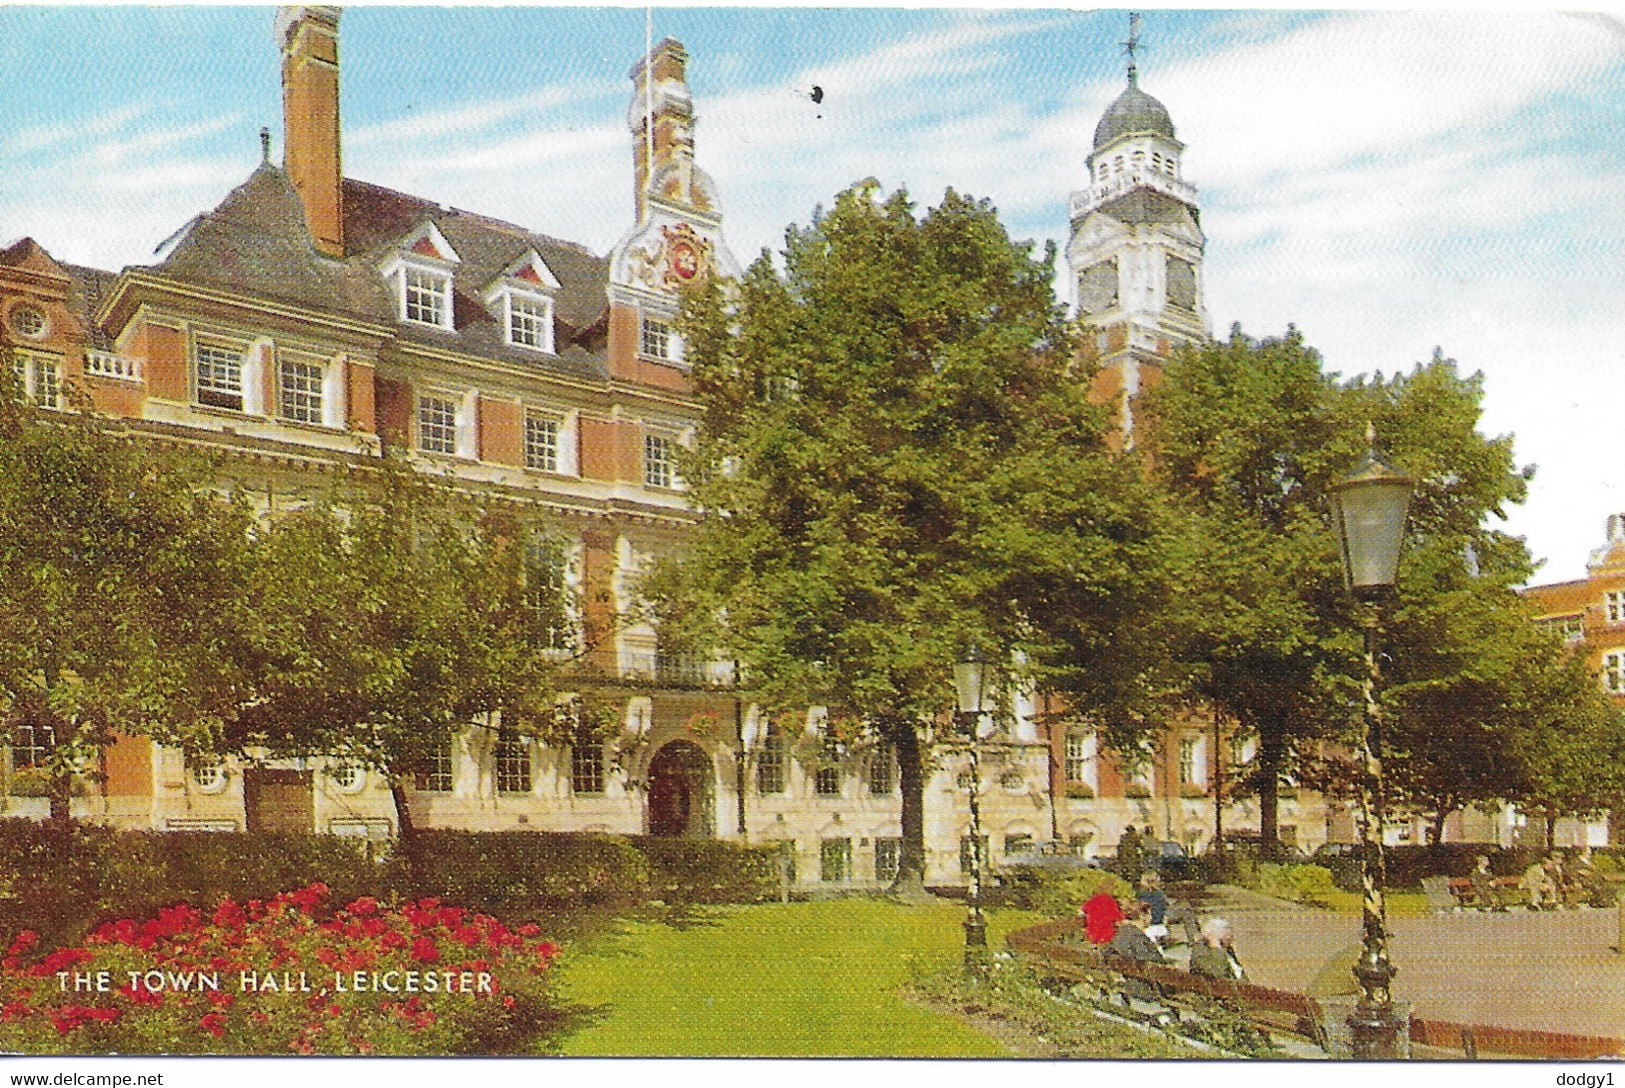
[1250,437]
[392,614]
[123,583]
[896,456]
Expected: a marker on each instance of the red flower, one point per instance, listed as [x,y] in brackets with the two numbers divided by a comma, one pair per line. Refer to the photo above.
[220,999]
[507,1001]
[214,1024]
[308,898]
[530,929]
[16,1010]
[364,906]
[25,940]
[424,950]
[229,915]
[428,904]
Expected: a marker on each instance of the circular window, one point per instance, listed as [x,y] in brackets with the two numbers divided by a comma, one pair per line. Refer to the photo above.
[210,779]
[349,779]
[29,321]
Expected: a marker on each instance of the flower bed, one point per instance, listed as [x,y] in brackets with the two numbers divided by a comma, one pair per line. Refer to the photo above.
[284,975]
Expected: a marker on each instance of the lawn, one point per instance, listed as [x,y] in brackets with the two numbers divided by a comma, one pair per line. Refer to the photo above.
[781,980]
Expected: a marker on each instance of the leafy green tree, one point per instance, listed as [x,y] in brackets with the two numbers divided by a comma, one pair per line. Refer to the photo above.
[896,457]
[1250,437]
[392,614]
[122,586]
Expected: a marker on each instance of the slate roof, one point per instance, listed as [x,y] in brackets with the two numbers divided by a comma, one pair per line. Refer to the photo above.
[90,286]
[255,243]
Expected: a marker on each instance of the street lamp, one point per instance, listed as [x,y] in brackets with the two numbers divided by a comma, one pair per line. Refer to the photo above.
[1368,512]
[969,672]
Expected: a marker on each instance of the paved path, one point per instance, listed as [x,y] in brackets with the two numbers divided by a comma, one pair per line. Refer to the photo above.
[1547,971]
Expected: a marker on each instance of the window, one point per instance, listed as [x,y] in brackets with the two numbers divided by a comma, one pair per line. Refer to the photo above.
[780,389]
[1187,762]
[586,761]
[835,861]
[772,762]
[547,590]
[220,377]
[888,858]
[658,461]
[437,425]
[1077,757]
[530,322]
[541,442]
[349,779]
[513,763]
[425,296]
[31,746]
[965,859]
[39,378]
[299,391]
[209,777]
[29,321]
[1019,843]
[1613,672]
[827,778]
[435,773]
[1615,603]
[655,339]
[882,770]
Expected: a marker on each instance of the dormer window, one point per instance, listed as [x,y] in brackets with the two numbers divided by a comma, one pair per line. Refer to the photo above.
[421,270]
[426,297]
[530,321]
[220,376]
[522,299]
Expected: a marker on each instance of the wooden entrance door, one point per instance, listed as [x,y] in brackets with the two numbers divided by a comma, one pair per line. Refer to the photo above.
[279,801]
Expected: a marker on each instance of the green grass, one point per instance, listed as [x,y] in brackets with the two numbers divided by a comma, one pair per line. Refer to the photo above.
[1399,904]
[780,980]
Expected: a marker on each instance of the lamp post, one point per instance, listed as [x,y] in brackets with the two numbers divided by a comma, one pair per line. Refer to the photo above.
[1368,512]
[969,672]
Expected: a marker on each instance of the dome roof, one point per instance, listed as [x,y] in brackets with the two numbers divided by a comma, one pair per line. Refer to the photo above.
[1134,111]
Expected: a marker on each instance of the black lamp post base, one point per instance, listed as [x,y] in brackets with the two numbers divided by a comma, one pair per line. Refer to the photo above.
[976,942]
[1376,1031]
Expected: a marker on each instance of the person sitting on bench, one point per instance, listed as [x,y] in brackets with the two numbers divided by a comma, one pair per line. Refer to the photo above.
[1130,941]
[1486,896]
[1214,955]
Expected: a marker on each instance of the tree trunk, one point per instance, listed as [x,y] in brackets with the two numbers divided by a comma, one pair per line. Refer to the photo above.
[61,794]
[1551,830]
[1436,827]
[408,832]
[1271,755]
[910,882]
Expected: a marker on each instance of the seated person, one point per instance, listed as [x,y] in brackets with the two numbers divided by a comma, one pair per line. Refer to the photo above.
[1130,941]
[1486,896]
[1214,955]
[1156,900]
[1100,916]
[1538,885]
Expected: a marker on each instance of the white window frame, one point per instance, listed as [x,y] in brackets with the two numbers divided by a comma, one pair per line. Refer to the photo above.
[659,464]
[302,405]
[440,288]
[439,397]
[511,756]
[17,320]
[1614,604]
[219,351]
[39,377]
[1189,773]
[658,339]
[543,456]
[1613,672]
[512,301]
[439,771]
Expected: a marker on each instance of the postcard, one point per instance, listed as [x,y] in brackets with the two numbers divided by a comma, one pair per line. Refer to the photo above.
[810,533]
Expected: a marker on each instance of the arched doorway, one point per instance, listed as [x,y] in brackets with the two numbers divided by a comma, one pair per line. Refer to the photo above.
[682,792]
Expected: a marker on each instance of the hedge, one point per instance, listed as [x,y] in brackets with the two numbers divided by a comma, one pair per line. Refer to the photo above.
[65,882]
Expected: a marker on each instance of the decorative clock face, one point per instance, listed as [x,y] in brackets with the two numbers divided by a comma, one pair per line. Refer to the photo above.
[685,260]
[1097,287]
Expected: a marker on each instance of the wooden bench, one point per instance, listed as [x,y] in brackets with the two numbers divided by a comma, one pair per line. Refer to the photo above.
[1180,992]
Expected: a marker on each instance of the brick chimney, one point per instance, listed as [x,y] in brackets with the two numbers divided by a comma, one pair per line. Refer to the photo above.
[664,102]
[309,37]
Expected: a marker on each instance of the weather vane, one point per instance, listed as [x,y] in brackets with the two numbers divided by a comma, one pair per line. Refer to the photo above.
[1133,46]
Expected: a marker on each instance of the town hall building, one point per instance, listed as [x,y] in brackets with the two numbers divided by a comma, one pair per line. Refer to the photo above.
[311,319]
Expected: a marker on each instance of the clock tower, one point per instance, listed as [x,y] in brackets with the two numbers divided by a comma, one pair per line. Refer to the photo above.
[1136,248]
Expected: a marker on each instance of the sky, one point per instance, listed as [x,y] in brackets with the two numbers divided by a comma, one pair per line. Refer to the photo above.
[1388,182]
